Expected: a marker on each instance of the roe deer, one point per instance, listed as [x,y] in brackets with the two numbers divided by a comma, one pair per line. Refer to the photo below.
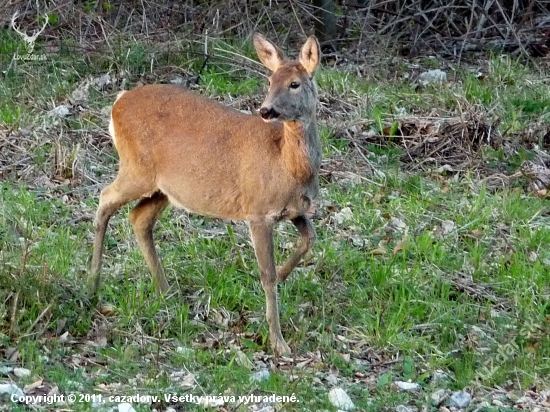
[181,148]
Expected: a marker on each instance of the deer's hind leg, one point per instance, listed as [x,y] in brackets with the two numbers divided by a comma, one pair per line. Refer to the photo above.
[122,191]
[307,239]
[143,218]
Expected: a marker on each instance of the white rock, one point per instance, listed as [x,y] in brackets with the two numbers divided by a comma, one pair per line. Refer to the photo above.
[268,408]
[182,350]
[398,225]
[524,399]
[177,80]
[340,399]
[432,76]
[407,386]
[81,93]
[5,370]
[260,376]
[440,376]
[61,111]
[459,400]
[332,379]
[21,372]
[343,215]
[403,408]
[211,402]
[102,81]
[447,227]
[476,330]
[10,389]
[125,407]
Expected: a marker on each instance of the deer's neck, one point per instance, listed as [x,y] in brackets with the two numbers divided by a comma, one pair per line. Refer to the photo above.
[301,149]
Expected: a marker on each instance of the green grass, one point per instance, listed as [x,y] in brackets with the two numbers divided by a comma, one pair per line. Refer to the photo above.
[390,294]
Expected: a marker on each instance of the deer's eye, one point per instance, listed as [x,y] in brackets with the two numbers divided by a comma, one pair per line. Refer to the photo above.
[294,85]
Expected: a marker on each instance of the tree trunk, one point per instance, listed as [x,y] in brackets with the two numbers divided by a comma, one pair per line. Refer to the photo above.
[325,22]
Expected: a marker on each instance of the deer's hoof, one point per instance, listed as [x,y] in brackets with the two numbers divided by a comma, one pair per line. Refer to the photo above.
[280,348]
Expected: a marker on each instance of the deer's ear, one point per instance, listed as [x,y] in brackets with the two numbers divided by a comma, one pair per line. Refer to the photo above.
[310,55]
[268,53]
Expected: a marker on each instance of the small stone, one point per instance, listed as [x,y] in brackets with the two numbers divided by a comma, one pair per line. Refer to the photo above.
[397,225]
[407,386]
[102,81]
[21,372]
[260,376]
[438,397]
[440,376]
[403,408]
[432,76]
[479,332]
[5,370]
[459,400]
[447,227]
[182,350]
[177,80]
[343,215]
[10,389]
[61,111]
[268,408]
[524,400]
[340,399]
[211,402]
[125,407]
[332,379]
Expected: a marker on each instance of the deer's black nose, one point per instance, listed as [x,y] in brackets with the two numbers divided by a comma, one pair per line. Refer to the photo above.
[268,113]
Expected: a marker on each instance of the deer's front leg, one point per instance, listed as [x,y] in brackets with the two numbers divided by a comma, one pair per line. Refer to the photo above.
[262,239]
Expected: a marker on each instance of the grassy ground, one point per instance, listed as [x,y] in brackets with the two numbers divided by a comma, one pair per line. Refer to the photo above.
[416,270]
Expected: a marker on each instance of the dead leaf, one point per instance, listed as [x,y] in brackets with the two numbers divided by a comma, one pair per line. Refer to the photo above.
[107,309]
[541,193]
[475,233]
[242,360]
[379,251]
[302,365]
[12,354]
[32,386]
[400,246]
